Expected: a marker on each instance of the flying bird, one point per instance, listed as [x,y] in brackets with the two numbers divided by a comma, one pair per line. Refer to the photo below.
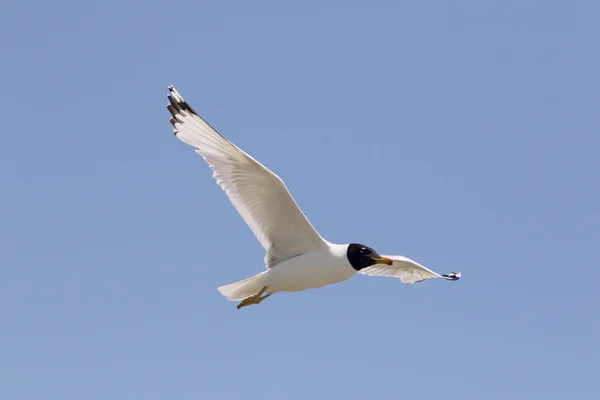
[297,257]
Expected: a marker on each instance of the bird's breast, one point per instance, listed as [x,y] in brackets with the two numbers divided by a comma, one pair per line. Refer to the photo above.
[309,271]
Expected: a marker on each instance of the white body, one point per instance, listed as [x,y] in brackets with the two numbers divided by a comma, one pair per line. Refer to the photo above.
[306,271]
[309,271]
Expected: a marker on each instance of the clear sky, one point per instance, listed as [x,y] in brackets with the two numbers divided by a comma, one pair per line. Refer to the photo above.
[464,135]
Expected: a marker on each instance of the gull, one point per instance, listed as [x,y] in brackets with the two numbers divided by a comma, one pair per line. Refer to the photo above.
[297,257]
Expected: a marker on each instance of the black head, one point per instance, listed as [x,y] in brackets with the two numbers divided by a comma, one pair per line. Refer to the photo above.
[361,256]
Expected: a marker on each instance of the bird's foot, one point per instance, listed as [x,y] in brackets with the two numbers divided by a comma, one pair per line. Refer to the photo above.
[255,299]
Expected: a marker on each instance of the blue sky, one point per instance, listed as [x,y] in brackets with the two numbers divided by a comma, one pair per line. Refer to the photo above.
[464,135]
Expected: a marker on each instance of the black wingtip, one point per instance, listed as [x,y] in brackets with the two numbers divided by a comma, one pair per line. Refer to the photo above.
[178,103]
[180,110]
[452,276]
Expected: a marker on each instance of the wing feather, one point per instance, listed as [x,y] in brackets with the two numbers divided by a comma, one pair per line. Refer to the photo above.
[260,196]
[407,270]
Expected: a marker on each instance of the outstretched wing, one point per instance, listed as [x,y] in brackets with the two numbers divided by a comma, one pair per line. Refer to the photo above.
[259,195]
[407,271]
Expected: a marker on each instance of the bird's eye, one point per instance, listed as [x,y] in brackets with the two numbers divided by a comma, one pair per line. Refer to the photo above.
[363,250]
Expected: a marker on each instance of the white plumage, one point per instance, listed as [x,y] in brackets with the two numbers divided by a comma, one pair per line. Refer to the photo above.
[407,270]
[258,194]
[297,257]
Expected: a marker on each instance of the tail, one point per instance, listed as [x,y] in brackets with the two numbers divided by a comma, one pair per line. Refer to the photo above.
[243,289]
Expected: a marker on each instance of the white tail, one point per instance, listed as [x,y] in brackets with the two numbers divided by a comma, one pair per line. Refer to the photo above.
[243,289]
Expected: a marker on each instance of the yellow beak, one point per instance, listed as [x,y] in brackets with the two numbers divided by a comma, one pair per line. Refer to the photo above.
[383,260]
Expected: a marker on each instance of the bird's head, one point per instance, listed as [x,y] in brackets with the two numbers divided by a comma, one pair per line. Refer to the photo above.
[361,256]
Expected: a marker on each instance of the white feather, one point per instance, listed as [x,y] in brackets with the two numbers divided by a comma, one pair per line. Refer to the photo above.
[260,196]
[407,270]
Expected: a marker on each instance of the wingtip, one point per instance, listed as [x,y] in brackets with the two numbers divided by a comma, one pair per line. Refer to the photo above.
[452,276]
[178,108]
[174,95]
[178,103]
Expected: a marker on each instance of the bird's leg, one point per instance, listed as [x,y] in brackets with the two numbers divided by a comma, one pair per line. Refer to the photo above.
[255,299]
[262,298]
